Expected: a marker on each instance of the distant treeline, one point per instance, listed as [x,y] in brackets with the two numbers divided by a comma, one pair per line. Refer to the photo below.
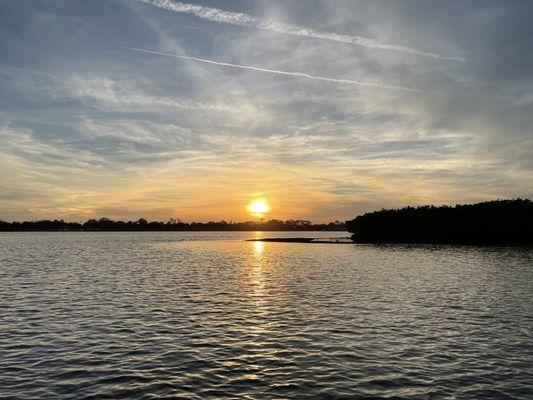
[105,224]
[492,222]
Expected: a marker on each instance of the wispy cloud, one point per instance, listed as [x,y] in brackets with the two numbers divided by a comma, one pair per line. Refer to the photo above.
[242,19]
[278,72]
[115,94]
[88,132]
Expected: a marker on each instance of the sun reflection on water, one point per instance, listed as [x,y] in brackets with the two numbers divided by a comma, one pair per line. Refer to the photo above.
[257,264]
[258,248]
[259,294]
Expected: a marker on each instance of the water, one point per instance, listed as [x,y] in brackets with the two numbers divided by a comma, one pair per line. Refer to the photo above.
[207,315]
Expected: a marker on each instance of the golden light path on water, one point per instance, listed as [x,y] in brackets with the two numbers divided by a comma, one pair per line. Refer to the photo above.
[256,271]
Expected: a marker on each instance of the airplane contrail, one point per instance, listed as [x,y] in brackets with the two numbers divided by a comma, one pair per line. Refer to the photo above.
[276,71]
[242,19]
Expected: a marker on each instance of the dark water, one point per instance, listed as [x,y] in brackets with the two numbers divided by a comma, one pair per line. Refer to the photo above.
[207,315]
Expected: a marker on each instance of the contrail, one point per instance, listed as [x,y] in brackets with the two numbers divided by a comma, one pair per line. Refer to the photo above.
[278,72]
[242,19]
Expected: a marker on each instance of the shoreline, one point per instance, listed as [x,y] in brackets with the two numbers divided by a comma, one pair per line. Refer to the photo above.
[340,240]
[168,230]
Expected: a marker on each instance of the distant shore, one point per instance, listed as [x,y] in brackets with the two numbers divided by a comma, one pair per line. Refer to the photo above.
[105,224]
[499,222]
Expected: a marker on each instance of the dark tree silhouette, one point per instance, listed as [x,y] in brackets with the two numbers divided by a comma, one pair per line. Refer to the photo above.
[492,222]
[106,224]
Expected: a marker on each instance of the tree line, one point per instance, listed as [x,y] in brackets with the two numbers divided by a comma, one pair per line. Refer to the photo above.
[492,222]
[106,224]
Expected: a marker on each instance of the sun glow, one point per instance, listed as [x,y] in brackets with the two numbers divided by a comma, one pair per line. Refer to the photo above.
[258,207]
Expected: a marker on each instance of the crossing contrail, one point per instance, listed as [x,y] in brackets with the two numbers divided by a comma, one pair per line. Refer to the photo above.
[242,19]
[276,71]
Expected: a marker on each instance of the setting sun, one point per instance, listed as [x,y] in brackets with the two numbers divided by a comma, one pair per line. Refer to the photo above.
[258,207]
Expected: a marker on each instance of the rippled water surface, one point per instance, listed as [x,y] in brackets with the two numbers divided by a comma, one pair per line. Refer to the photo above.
[208,315]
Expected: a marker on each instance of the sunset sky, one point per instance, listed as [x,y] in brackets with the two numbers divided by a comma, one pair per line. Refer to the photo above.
[325,109]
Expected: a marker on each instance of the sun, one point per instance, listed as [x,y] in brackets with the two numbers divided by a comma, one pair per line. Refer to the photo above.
[258,207]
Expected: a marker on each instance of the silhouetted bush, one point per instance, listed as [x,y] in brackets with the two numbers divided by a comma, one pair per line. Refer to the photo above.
[492,222]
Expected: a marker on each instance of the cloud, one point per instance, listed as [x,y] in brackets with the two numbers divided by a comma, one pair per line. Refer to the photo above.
[279,72]
[111,93]
[242,19]
[88,131]
[100,91]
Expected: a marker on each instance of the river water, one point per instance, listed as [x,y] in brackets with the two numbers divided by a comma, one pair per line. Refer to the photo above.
[198,315]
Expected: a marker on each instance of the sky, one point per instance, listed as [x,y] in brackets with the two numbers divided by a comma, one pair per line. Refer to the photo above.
[325,109]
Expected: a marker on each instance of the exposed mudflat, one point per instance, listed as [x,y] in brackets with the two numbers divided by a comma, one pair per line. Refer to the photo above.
[341,240]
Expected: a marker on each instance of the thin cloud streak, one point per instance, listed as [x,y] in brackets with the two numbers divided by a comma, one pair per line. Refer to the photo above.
[242,19]
[278,72]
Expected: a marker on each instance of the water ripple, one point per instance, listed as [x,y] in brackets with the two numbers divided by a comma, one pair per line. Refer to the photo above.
[207,315]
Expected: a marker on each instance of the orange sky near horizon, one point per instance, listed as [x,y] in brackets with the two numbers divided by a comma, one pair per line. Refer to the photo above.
[203,194]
